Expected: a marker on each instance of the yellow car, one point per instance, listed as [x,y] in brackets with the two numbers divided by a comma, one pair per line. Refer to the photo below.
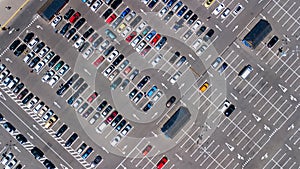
[208,3]
[204,87]
[51,121]
[121,27]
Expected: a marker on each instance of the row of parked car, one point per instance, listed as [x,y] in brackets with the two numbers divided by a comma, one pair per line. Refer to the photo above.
[8,158]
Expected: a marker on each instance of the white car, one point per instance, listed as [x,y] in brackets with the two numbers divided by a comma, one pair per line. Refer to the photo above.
[101,127]
[53,80]
[56,21]
[163,11]
[94,118]
[219,9]
[32,102]
[113,54]
[47,75]
[28,57]
[126,31]
[140,46]
[201,49]
[96,6]
[38,107]
[64,69]
[39,66]
[4,74]
[115,141]
[43,52]
[175,77]
[108,70]
[136,41]
[157,96]
[79,42]
[225,13]
[196,25]
[77,102]
[11,164]
[33,42]
[13,83]
[238,9]
[88,53]
[197,43]
[156,60]
[141,27]
[224,106]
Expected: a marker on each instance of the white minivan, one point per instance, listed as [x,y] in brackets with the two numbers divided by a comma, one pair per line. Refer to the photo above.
[244,73]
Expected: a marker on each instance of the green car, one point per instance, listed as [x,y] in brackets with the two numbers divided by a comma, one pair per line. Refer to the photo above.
[59,65]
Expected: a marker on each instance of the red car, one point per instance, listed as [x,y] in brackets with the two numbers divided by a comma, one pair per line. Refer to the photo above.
[146,150]
[155,39]
[111,117]
[74,17]
[131,36]
[145,50]
[111,18]
[92,97]
[98,61]
[162,162]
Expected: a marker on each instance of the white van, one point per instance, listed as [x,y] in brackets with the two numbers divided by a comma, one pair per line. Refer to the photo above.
[101,127]
[244,73]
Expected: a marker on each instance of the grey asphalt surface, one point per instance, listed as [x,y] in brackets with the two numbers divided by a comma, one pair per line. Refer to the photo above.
[264,111]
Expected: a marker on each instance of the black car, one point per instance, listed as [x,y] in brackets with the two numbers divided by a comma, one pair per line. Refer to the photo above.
[132,93]
[182,11]
[229,110]
[1,117]
[148,106]
[53,61]
[34,62]
[65,28]
[37,153]
[108,50]
[88,33]
[22,94]
[21,139]
[18,88]
[170,101]
[107,110]
[27,98]
[39,47]
[118,60]
[188,14]
[70,33]
[107,13]
[272,41]
[48,164]
[115,4]
[20,50]
[61,130]
[69,14]
[201,30]
[96,161]
[121,125]
[152,3]
[102,105]
[75,37]
[14,45]
[192,19]
[79,23]
[208,35]
[116,120]
[9,127]
[72,99]
[143,82]
[19,166]
[84,46]
[28,37]
[62,90]
[70,141]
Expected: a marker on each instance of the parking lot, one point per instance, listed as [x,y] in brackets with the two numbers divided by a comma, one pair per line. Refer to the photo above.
[108,72]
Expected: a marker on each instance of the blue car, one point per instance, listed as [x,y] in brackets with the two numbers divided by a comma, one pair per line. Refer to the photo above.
[84,1]
[148,106]
[151,91]
[125,12]
[171,2]
[182,10]
[87,153]
[152,3]
[161,43]
[150,35]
